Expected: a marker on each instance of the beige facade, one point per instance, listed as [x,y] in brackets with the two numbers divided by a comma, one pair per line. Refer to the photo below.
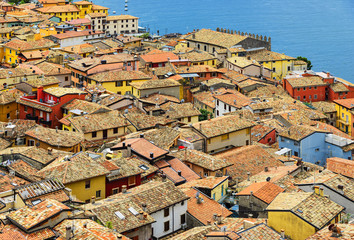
[233,139]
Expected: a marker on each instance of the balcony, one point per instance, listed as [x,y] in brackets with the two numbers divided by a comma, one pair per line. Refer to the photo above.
[42,121]
[30,117]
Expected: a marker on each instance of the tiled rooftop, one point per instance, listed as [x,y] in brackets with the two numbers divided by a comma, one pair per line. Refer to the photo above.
[237,99]
[339,87]
[156,195]
[85,48]
[142,121]
[142,147]
[155,84]
[266,55]
[127,168]
[326,107]
[8,183]
[216,38]
[210,182]
[260,232]
[98,121]
[260,131]
[265,191]
[252,159]
[347,103]
[86,229]
[55,137]
[298,132]
[341,166]
[119,75]
[196,233]
[204,211]
[221,125]
[60,91]
[24,170]
[85,106]
[11,232]
[111,99]
[197,56]
[315,209]
[77,168]
[306,81]
[201,159]
[159,57]
[347,233]
[21,45]
[121,17]
[332,180]
[59,9]
[181,110]
[157,98]
[242,62]
[29,217]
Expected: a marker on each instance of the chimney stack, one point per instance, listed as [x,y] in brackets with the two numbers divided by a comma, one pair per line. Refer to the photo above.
[124,188]
[151,155]
[317,190]
[219,219]
[248,176]
[141,215]
[163,176]
[129,150]
[50,150]
[143,206]
[266,169]
[68,233]
[321,191]
[282,233]
[179,173]
[93,200]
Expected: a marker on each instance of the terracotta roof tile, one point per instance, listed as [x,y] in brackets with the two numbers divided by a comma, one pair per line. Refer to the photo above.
[260,131]
[114,76]
[260,232]
[79,167]
[26,46]
[264,191]
[29,217]
[181,110]
[326,107]
[155,84]
[56,137]
[221,125]
[266,55]
[85,106]
[339,87]
[237,99]
[58,9]
[210,182]
[347,233]
[141,147]
[197,56]
[341,166]
[306,81]
[25,170]
[205,210]
[196,233]
[11,232]
[201,159]
[347,103]
[252,159]
[143,122]
[159,57]
[299,132]
[315,209]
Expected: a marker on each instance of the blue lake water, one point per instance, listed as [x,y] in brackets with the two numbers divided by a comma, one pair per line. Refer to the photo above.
[321,30]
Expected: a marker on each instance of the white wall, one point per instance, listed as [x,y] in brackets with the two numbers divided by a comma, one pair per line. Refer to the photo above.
[221,108]
[174,217]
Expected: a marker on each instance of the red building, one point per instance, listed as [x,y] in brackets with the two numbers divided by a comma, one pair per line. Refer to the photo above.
[264,134]
[158,59]
[45,106]
[124,173]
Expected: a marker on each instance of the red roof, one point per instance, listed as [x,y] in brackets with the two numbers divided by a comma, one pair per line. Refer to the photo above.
[265,191]
[79,21]
[71,34]
[159,57]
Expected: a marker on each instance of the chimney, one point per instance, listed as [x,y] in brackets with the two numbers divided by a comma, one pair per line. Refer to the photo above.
[151,155]
[50,150]
[179,173]
[266,169]
[119,237]
[145,215]
[40,94]
[219,219]
[321,191]
[141,215]
[124,188]
[85,225]
[56,129]
[129,150]
[123,143]
[68,233]
[248,176]
[282,233]
[317,190]
[163,176]
[93,200]
[328,75]
[208,223]
[141,135]
[143,207]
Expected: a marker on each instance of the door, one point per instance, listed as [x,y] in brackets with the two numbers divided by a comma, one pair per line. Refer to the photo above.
[104,134]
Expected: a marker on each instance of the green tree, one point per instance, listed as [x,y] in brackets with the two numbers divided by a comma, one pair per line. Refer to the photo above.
[145,35]
[109,225]
[204,115]
[309,65]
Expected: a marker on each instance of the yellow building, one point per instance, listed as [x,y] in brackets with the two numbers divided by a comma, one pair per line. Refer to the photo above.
[278,63]
[56,139]
[222,132]
[51,3]
[85,177]
[7,32]
[344,108]
[118,81]
[127,41]
[65,13]
[97,127]
[200,58]
[8,104]
[45,31]
[15,47]
[84,50]
[163,86]
[301,214]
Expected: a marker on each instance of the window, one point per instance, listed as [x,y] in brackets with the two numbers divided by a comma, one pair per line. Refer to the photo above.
[310,88]
[315,87]
[214,74]
[182,203]
[115,130]
[288,68]
[205,48]
[281,139]
[304,97]
[247,142]
[315,96]
[229,108]
[217,103]
[115,190]
[189,119]
[183,218]
[131,180]
[224,106]
[304,88]
[298,89]
[30,142]
[66,79]
[317,150]
[217,112]
[274,69]
[298,98]
[166,212]
[8,115]
[87,184]
[94,134]
[98,194]
[296,154]
[225,137]
[166,226]
[296,143]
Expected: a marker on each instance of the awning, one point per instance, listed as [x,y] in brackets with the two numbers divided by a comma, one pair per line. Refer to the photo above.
[185,75]
[283,151]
